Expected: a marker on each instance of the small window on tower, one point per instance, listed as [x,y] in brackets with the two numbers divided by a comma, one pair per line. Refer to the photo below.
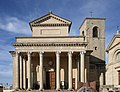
[82,33]
[95,31]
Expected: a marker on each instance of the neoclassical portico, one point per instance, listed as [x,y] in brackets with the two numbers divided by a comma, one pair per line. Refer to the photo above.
[23,62]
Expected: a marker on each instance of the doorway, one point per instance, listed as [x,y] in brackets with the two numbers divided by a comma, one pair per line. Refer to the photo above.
[119,77]
[50,80]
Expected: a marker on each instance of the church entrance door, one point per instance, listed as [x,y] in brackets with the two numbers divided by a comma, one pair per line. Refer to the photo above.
[50,80]
[119,77]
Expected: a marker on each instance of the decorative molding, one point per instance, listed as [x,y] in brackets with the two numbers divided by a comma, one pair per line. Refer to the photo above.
[29,53]
[51,44]
[58,52]
[44,25]
[82,52]
[70,53]
[13,53]
[38,21]
[41,53]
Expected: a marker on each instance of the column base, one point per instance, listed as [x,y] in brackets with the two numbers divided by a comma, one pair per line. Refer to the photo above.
[70,89]
[41,89]
[58,89]
[24,88]
[17,89]
[29,89]
[21,89]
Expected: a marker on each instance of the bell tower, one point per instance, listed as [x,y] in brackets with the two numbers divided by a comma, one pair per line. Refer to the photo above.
[93,29]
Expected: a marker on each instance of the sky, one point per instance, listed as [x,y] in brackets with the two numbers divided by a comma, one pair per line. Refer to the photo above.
[15,16]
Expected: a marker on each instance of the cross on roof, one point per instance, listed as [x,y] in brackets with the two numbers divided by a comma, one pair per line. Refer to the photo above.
[91,13]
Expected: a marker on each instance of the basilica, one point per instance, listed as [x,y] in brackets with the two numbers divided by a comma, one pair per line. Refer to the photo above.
[51,59]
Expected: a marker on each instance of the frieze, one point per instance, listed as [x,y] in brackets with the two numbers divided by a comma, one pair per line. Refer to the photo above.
[51,44]
[49,25]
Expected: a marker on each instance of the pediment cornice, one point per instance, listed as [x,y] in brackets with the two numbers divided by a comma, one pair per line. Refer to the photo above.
[39,21]
[111,44]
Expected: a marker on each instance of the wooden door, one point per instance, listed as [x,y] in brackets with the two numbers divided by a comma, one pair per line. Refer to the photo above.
[73,83]
[119,77]
[50,80]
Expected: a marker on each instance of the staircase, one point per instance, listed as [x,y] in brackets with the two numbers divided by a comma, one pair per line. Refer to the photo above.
[47,91]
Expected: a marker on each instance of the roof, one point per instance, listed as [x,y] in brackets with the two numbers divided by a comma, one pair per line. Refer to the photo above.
[91,19]
[111,42]
[39,21]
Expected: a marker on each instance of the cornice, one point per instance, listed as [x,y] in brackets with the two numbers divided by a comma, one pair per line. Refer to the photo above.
[36,25]
[113,63]
[31,37]
[51,44]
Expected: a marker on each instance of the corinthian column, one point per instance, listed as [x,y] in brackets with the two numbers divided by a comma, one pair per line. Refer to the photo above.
[58,70]
[70,70]
[41,70]
[82,67]
[29,70]
[21,72]
[17,71]
[24,73]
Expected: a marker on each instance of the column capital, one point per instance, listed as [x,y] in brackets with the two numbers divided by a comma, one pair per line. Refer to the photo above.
[82,52]
[58,52]
[29,53]
[17,52]
[41,52]
[70,52]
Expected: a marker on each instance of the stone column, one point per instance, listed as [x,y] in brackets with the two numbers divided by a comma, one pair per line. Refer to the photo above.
[78,70]
[29,70]
[24,73]
[17,71]
[69,70]
[82,67]
[41,70]
[21,72]
[57,70]
[13,53]
[85,75]
[101,79]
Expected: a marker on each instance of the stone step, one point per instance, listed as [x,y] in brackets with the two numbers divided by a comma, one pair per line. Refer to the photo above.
[47,91]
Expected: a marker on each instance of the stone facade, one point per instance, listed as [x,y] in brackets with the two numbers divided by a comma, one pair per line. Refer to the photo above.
[113,66]
[51,59]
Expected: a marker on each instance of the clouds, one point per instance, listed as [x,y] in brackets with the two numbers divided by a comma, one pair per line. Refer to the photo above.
[5,63]
[6,72]
[13,24]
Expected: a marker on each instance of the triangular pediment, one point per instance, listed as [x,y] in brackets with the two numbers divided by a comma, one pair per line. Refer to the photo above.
[114,42]
[50,19]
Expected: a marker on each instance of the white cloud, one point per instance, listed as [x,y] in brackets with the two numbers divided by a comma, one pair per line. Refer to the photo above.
[5,64]
[6,73]
[13,24]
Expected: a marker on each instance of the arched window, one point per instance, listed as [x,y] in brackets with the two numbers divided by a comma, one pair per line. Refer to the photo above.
[118,56]
[82,33]
[95,31]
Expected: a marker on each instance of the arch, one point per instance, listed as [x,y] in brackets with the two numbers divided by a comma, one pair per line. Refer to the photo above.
[118,56]
[83,33]
[115,53]
[95,31]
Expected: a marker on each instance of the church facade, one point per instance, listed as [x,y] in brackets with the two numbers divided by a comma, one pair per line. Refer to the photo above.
[51,59]
[113,66]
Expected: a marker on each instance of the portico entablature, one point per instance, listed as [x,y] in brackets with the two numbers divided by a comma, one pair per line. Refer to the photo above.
[58,39]
[50,47]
